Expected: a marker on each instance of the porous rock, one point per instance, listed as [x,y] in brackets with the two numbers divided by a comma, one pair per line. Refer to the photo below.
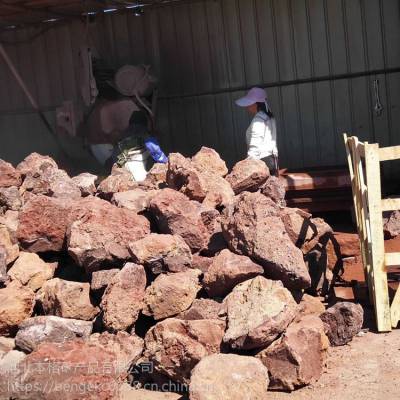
[137,200]
[31,270]
[101,234]
[248,174]
[171,294]
[342,322]
[275,189]
[202,309]
[7,243]
[67,299]
[177,215]
[40,329]
[16,304]
[161,253]
[9,176]
[101,279]
[252,226]
[35,164]
[175,346]
[10,199]
[258,311]
[298,357]
[227,270]
[92,372]
[229,376]
[209,161]
[123,299]
[86,183]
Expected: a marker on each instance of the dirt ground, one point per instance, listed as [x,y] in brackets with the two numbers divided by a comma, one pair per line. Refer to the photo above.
[368,368]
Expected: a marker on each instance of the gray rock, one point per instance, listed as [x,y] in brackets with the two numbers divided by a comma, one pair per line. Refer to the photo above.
[36,330]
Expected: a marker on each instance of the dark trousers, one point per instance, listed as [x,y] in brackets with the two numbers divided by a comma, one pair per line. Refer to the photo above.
[272,164]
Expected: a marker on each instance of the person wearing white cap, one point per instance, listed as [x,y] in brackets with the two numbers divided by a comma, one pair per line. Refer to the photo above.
[261,134]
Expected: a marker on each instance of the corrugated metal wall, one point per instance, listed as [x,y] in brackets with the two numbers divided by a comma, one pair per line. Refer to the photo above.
[207,53]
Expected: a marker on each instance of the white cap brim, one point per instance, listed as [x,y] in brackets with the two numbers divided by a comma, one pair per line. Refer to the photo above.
[244,102]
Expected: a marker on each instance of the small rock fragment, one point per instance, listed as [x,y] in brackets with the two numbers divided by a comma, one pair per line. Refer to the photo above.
[342,322]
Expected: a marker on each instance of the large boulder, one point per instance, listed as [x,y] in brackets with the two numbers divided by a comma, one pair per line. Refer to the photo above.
[127,348]
[252,226]
[161,253]
[8,244]
[10,199]
[86,183]
[298,357]
[137,200]
[177,215]
[226,271]
[67,299]
[171,294]
[16,304]
[9,176]
[258,311]
[102,232]
[342,322]
[275,189]
[34,331]
[175,346]
[43,223]
[209,161]
[203,309]
[203,186]
[123,299]
[31,270]
[229,376]
[74,370]
[248,175]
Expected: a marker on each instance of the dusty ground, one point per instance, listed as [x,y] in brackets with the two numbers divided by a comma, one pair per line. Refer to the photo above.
[366,369]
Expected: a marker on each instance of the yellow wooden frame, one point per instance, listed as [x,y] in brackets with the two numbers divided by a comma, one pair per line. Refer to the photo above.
[364,165]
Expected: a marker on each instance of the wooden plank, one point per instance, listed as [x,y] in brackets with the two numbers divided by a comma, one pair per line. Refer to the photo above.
[361,206]
[389,153]
[382,307]
[390,204]
[395,309]
[392,259]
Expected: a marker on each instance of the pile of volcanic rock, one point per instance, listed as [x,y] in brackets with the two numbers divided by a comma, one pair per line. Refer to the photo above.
[197,282]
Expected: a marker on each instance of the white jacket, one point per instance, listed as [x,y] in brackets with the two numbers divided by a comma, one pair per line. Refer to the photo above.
[261,137]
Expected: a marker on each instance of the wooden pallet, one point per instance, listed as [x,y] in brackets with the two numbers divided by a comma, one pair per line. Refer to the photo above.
[364,165]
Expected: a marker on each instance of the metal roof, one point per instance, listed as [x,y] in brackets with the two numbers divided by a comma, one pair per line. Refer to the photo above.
[24,12]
